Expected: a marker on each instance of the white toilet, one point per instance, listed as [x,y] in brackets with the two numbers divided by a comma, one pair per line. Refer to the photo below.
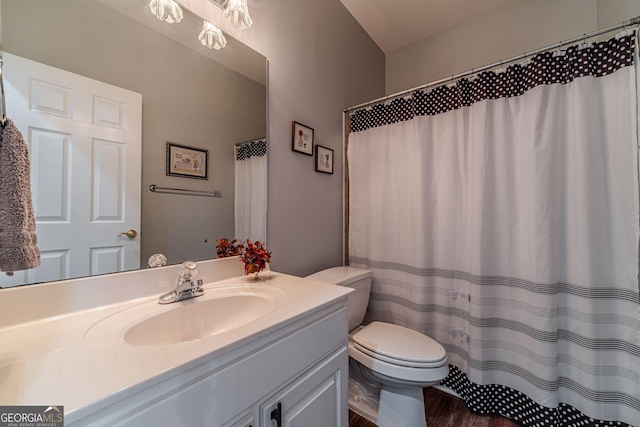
[402,360]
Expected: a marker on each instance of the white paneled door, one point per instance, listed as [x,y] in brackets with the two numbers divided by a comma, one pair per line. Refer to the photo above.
[84,140]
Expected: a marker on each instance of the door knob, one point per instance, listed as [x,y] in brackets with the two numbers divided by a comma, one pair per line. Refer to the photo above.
[129,233]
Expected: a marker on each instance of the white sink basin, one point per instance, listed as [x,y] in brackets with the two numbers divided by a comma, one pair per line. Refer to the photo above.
[219,310]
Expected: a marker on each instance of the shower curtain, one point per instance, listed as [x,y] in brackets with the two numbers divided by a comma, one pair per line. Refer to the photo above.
[251,191]
[500,216]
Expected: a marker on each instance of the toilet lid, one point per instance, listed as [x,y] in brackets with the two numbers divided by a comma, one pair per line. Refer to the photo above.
[399,345]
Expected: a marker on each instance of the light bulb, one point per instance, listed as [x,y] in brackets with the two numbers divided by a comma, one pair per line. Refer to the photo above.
[211,36]
[238,14]
[166,10]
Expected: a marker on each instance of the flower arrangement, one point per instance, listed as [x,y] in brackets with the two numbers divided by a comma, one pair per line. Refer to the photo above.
[254,255]
[225,248]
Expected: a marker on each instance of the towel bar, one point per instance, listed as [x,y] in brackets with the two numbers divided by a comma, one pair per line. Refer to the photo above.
[154,188]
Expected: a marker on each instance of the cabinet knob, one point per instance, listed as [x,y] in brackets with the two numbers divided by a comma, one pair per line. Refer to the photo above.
[276,414]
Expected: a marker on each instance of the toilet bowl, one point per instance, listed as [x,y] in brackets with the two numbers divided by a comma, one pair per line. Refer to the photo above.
[403,361]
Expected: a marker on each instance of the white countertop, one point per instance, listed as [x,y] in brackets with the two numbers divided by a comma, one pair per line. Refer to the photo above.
[50,362]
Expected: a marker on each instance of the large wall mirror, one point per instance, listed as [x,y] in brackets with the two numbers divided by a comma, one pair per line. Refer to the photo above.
[191,96]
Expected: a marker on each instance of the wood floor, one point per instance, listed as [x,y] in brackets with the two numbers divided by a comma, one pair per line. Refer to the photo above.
[444,410]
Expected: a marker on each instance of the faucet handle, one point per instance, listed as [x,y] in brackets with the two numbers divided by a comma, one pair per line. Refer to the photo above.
[188,271]
[157,260]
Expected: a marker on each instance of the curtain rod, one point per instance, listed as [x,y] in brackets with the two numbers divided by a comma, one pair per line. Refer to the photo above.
[633,21]
[250,140]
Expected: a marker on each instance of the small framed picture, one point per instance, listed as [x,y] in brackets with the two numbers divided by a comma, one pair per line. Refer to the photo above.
[302,140]
[187,162]
[324,159]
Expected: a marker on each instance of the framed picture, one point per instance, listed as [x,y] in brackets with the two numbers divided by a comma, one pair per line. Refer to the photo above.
[324,159]
[302,139]
[187,162]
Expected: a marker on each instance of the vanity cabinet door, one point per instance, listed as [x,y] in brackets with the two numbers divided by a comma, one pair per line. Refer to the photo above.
[313,400]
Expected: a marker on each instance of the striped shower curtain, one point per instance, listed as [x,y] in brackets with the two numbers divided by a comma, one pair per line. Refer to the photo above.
[500,216]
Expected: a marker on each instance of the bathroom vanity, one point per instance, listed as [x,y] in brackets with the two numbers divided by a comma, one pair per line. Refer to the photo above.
[271,352]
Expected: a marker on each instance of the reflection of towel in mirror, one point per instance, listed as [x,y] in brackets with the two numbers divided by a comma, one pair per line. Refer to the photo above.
[18,242]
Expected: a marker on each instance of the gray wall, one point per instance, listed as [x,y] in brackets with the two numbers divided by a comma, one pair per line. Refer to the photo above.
[518,27]
[187,99]
[320,62]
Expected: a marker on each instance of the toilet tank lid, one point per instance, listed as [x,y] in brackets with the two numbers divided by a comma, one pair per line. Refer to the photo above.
[341,276]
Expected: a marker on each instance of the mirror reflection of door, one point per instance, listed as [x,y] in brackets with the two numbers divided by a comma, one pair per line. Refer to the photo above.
[84,140]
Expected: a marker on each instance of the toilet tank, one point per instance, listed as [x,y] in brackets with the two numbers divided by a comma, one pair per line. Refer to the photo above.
[352,277]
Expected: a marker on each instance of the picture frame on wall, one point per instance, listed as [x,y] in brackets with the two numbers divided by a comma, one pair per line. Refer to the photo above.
[324,159]
[187,162]
[302,139]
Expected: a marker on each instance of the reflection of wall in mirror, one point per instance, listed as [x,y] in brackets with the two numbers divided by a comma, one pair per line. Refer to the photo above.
[187,98]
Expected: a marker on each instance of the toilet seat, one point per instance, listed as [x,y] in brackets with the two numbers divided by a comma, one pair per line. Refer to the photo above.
[399,355]
[399,362]
[393,373]
[399,345]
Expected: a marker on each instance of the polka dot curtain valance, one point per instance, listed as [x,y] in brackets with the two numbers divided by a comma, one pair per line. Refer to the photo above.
[558,67]
[255,148]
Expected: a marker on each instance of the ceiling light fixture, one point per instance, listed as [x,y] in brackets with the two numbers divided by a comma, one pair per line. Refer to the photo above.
[211,36]
[166,10]
[238,14]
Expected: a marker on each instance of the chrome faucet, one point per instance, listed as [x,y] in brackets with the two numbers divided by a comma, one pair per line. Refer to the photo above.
[187,286]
